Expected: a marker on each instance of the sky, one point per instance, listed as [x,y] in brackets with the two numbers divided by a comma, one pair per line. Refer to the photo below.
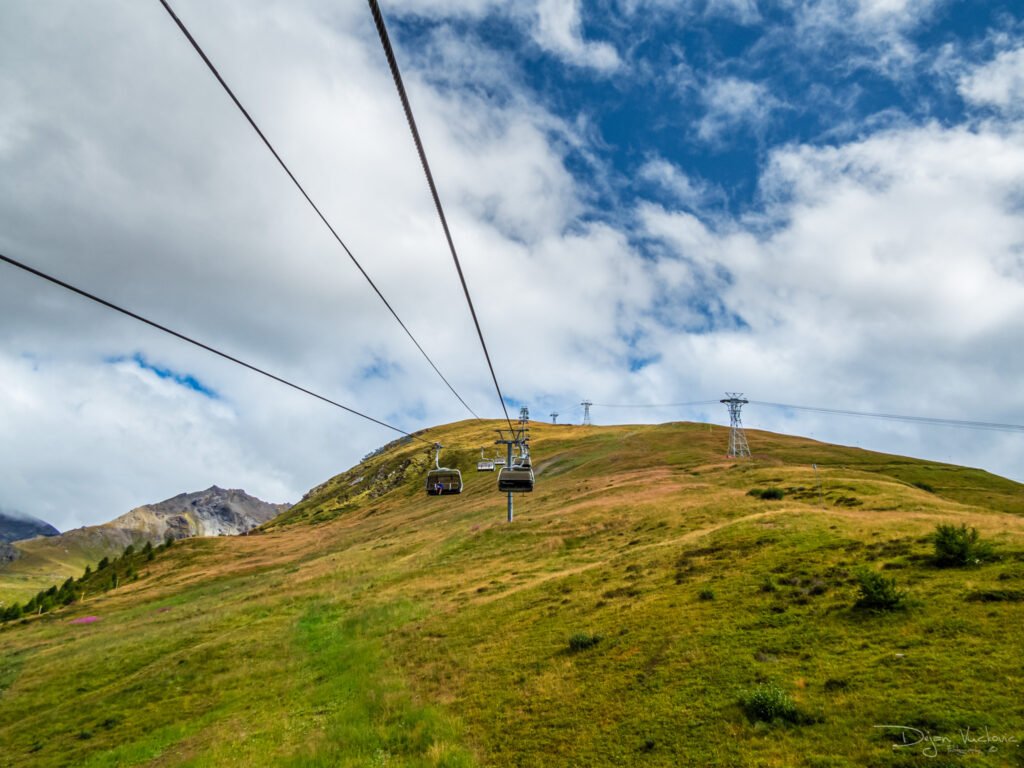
[817,203]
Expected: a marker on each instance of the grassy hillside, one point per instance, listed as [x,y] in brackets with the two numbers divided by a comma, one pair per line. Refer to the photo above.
[639,599]
[43,561]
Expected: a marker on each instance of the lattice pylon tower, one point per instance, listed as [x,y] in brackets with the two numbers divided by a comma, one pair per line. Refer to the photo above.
[738,446]
[586,412]
[524,416]
[554,417]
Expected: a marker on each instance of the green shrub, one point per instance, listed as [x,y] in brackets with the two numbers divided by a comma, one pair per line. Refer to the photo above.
[878,593]
[768,702]
[581,641]
[770,494]
[706,594]
[958,547]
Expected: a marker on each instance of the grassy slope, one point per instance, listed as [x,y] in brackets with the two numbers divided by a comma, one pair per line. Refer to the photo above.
[50,560]
[371,625]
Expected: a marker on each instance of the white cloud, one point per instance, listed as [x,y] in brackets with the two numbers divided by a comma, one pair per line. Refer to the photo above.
[732,102]
[558,30]
[687,191]
[999,83]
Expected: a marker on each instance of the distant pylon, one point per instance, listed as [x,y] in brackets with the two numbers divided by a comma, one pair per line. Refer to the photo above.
[738,447]
[586,412]
[554,417]
[524,416]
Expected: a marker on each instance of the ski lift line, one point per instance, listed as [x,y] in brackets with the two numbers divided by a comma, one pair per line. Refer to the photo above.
[295,181]
[201,345]
[996,426]
[655,405]
[389,53]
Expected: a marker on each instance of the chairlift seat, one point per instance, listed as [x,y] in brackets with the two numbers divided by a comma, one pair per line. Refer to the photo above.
[450,481]
[516,479]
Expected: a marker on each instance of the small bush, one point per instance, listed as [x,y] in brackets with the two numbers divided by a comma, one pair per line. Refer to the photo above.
[706,594]
[768,702]
[996,596]
[878,593]
[768,494]
[924,487]
[581,641]
[959,547]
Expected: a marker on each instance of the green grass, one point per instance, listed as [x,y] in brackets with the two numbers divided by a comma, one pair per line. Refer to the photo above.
[373,626]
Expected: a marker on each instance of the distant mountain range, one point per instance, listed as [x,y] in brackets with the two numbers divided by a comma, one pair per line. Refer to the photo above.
[15,527]
[33,563]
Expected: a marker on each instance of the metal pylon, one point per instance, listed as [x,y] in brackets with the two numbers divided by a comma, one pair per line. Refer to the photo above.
[586,412]
[738,446]
[554,417]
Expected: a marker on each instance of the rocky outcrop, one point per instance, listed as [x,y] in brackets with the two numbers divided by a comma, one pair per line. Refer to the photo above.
[213,512]
[8,554]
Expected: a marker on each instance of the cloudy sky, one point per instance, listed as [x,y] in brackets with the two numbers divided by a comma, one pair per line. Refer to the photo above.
[656,201]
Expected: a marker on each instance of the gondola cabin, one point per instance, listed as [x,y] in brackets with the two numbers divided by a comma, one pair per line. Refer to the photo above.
[441,482]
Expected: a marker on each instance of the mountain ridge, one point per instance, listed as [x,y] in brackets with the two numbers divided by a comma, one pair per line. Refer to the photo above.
[37,563]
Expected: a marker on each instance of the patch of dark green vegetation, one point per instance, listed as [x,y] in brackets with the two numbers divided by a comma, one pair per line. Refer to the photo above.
[960,547]
[581,641]
[768,703]
[767,494]
[995,596]
[847,501]
[923,486]
[877,593]
[706,594]
[109,574]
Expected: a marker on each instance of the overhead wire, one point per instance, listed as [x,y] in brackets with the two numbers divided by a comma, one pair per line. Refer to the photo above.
[932,420]
[929,420]
[295,181]
[201,345]
[654,405]
[396,74]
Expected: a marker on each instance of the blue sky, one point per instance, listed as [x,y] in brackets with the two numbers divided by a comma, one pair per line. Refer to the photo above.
[712,87]
[655,201]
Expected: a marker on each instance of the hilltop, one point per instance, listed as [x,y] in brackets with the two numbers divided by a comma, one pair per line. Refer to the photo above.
[647,592]
[37,563]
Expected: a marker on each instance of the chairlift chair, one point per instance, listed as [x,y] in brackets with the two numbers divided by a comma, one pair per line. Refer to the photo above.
[517,478]
[442,481]
[485,464]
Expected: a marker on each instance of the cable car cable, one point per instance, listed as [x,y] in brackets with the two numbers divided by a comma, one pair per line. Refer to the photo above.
[933,420]
[295,181]
[659,404]
[382,31]
[201,345]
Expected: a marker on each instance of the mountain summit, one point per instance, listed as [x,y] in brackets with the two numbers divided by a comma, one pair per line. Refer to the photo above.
[213,512]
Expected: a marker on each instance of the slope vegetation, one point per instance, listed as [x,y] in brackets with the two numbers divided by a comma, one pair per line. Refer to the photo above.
[643,609]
